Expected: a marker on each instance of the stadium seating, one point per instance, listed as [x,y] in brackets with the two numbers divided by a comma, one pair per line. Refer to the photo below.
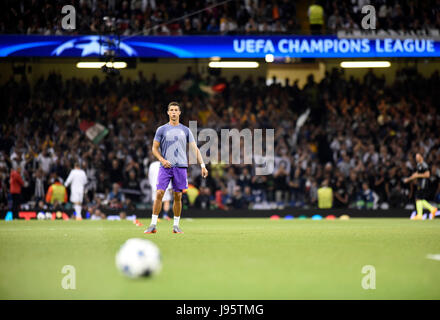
[172,17]
[357,132]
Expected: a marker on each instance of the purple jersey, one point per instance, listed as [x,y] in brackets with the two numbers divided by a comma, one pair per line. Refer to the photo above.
[173,141]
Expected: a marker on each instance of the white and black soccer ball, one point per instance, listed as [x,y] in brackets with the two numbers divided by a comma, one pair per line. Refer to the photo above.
[41,215]
[138,258]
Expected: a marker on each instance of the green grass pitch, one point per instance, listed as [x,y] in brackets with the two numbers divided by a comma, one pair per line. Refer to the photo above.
[225,259]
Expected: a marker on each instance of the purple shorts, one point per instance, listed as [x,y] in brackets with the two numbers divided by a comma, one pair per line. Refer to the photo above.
[177,175]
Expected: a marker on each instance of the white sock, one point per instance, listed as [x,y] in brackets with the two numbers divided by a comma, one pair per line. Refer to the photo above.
[154,219]
[78,208]
[176,221]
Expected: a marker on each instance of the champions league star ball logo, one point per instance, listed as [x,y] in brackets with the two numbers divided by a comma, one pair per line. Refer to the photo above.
[92,45]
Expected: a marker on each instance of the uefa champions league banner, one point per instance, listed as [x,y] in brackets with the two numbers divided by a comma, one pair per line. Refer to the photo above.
[216,46]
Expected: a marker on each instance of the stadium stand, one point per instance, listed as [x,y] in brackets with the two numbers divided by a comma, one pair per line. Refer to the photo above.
[360,137]
[172,17]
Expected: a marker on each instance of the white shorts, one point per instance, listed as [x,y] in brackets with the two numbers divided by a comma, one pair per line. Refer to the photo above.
[166,197]
[76,197]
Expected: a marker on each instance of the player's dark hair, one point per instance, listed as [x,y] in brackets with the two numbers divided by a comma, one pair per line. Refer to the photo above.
[172,104]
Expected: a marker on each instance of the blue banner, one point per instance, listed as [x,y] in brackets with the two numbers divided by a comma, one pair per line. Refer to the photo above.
[216,46]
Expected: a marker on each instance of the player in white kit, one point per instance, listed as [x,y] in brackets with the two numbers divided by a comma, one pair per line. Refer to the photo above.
[153,172]
[77,179]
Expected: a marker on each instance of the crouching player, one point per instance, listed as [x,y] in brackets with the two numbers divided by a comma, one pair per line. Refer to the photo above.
[422,175]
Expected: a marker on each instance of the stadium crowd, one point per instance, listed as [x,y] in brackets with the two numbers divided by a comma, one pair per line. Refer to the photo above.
[172,17]
[390,14]
[359,138]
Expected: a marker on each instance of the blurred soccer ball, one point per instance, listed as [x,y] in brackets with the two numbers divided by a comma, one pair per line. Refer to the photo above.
[41,216]
[138,258]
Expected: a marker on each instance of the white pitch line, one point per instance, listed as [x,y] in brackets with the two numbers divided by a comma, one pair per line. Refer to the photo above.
[59,229]
[433,257]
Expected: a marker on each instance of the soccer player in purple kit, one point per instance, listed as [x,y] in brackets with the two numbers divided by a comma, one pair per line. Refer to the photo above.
[169,147]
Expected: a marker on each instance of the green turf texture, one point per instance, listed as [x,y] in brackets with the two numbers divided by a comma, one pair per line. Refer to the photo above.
[225,259]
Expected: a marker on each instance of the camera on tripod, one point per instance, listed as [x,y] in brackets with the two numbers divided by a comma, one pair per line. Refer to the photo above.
[110,48]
